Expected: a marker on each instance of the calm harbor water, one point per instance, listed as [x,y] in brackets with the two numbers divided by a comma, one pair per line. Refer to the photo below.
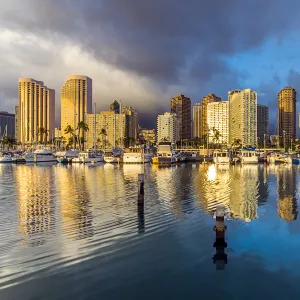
[77,232]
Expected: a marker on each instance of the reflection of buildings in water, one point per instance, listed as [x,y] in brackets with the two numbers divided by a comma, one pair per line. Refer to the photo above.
[286,188]
[174,187]
[76,211]
[263,188]
[34,204]
[234,186]
[211,184]
[244,192]
[131,171]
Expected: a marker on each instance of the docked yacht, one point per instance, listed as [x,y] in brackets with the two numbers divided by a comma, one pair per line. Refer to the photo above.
[112,156]
[137,155]
[88,157]
[249,157]
[165,154]
[280,158]
[5,159]
[40,156]
[221,157]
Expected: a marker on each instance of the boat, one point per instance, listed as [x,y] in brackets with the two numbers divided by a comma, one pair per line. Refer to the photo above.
[69,155]
[40,156]
[179,156]
[63,160]
[296,161]
[111,157]
[248,157]
[165,154]
[18,159]
[137,155]
[221,157]
[280,158]
[88,157]
[4,158]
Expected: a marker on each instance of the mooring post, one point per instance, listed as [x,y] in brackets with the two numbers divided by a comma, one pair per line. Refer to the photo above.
[141,179]
[220,258]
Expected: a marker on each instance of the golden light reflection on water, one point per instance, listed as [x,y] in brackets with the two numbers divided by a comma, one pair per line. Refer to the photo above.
[34,207]
[234,186]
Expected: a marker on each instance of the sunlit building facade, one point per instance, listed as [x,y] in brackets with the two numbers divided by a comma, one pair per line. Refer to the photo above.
[197,120]
[107,130]
[217,119]
[287,115]
[36,111]
[243,116]
[205,100]
[167,128]
[76,102]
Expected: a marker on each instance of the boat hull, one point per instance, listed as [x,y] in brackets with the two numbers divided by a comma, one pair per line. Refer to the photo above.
[250,160]
[221,160]
[111,160]
[164,160]
[6,160]
[136,158]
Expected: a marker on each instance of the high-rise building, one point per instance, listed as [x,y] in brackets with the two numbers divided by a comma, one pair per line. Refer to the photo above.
[131,122]
[181,106]
[147,136]
[17,133]
[167,128]
[76,102]
[262,124]
[286,115]
[243,116]
[197,120]
[115,106]
[109,132]
[7,124]
[217,120]
[36,111]
[205,100]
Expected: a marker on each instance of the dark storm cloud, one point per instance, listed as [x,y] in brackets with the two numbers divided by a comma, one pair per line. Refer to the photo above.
[159,39]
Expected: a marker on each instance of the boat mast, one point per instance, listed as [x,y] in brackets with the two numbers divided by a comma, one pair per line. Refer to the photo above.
[95,126]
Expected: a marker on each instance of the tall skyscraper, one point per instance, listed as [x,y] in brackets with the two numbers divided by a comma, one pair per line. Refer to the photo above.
[110,130]
[287,115]
[76,101]
[131,122]
[7,124]
[115,106]
[243,116]
[217,118]
[181,106]
[167,128]
[197,120]
[262,124]
[36,111]
[205,100]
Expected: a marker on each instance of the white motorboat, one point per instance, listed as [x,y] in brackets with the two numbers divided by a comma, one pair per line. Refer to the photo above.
[280,158]
[40,156]
[137,155]
[221,157]
[111,157]
[88,157]
[5,159]
[165,154]
[249,157]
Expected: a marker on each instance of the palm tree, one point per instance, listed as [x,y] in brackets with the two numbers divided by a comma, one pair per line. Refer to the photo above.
[71,132]
[43,132]
[9,141]
[103,134]
[82,126]
[216,135]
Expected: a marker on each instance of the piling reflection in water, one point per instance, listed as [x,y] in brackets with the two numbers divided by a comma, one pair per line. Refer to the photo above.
[220,258]
[76,207]
[286,188]
[35,210]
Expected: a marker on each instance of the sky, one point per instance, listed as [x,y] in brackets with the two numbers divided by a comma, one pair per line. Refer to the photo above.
[146,52]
